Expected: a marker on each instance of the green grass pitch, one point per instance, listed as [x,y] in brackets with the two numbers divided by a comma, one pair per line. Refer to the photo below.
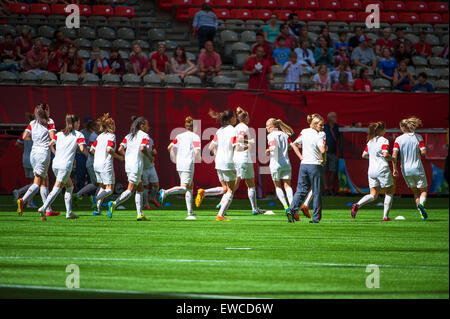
[171,257]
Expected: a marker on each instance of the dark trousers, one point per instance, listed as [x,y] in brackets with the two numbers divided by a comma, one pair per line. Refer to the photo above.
[80,170]
[310,176]
[205,34]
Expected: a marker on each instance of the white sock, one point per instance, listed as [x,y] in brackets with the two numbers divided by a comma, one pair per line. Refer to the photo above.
[308,198]
[145,198]
[138,200]
[68,200]
[387,205]
[281,197]
[252,197]
[227,198]
[188,196]
[102,194]
[86,189]
[23,189]
[175,190]
[214,191]
[44,195]
[289,194]
[422,200]
[51,197]
[29,194]
[123,197]
[366,199]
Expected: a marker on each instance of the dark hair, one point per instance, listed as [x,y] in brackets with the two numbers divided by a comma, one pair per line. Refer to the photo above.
[356,27]
[183,54]
[292,15]
[223,118]
[71,119]
[136,125]
[40,114]
[343,77]
[281,38]
[259,34]
[189,123]
[56,33]
[341,33]
[206,7]
[241,114]
[375,129]
[422,74]
[361,73]
[9,34]
[115,50]
[284,25]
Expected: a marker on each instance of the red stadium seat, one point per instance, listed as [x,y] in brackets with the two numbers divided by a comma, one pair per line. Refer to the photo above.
[85,10]
[19,8]
[417,6]
[431,18]
[192,12]
[102,10]
[241,14]
[445,17]
[182,14]
[127,12]
[267,4]
[325,16]
[438,6]
[282,15]
[165,5]
[394,6]
[379,3]
[362,15]
[409,17]
[346,16]
[288,4]
[59,8]
[389,17]
[40,8]
[247,4]
[354,5]
[261,14]
[330,4]
[222,14]
[198,3]
[229,4]
[306,15]
[309,4]
[182,3]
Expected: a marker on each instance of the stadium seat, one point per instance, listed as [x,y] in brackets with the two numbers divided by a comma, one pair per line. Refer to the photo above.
[267,4]
[106,33]
[241,14]
[353,5]
[431,18]
[395,6]
[330,4]
[305,15]
[87,33]
[8,78]
[59,8]
[409,17]
[182,3]
[432,39]
[126,34]
[165,5]
[48,78]
[255,25]
[223,14]
[237,25]
[124,12]
[156,34]
[102,43]
[247,4]
[389,17]
[130,80]
[119,22]
[84,54]
[69,79]
[111,79]
[288,4]
[445,17]
[28,78]
[438,62]
[192,12]
[143,44]
[89,79]
[325,16]
[172,80]
[19,8]
[362,15]
[347,16]
[198,3]
[221,81]
[192,82]
[261,14]
[228,4]
[40,8]
[308,4]
[240,47]
[82,43]
[379,3]
[46,31]
[438,6]
[282,15]
[248,36]
[381,83]
[85,10]
[152,80]
[416,6]
[102,10]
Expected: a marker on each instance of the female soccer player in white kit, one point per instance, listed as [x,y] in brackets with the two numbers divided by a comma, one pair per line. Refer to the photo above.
[242,158]
[312,141]
[410,147]
[280,166]
[41,130]
[187,146]
[103,152]
[135,147]
[380,176]
[66,143]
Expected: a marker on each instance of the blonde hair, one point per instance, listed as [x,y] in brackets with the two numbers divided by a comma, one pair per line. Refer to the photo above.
[282,126]
[241,114]
[224,118]
[106,124]
[189,123]
[375,129]
[411,124]
[313,119]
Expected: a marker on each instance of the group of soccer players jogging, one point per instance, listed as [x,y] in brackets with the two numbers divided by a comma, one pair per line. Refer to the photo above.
[231,148]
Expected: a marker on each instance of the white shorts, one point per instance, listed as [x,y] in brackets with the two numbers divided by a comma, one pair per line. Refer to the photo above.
[416,181]
[149,176]
[281,174]
[134,177]
[105,178]
[244,170]
[91,173]
[40,163]
[226,176]
[382,181]
[29,172]
[62,175]
[186,177]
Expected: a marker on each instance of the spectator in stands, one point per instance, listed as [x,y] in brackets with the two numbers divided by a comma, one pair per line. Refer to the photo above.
[387,65]
[36,59]
[160,61]
[384,41]
[260,40]
[341,56]
[209,62]
[343,82]
[290,39]
[305,56]
[117,63]
[322,81]
[304,36]
[400,54]
[444,53]
[272,29]
[60,39]
[363,56]
[95,54]
[422,85]
[362,83]
[323,54]
[353,42]
[325,33]
[258,68]
[4,11]
[293,71]
[400,33]
[74,63]
[342,67]
[205,25]
[281,53]
[422,48]
[403,80]
[180,64]
[24,43]
[342,42]
[101,66]
[139,62]
[56,58]
[331,129]
[8,48]
[294,25]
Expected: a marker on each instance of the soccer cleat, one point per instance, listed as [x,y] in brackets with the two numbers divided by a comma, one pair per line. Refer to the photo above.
[296,216]
[161,196]
[42,213]
[32,205]
[111,208]
[155,202]
[52,213]
[290,216]
[142,218]
[222,219]
[93,202]
[20,206]
[305,211]
[200,197]
[72,216]
[355,208]
[96,213]
[190,217]
[15,195]
[386,219]
[258,211]
[423,212]
[147,207]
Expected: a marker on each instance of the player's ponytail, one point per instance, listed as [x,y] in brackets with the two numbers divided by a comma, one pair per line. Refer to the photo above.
[40,113]
[136,125]
[106,124]
[189,123]
[375,129]
[313,119]
[411,124]
[241,114]
[279,124]
[71,119]
[29,116]
[224,118]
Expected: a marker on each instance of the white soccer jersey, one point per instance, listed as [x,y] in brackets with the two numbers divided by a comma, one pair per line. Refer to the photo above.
[90,142]
[311,140]
[378,165]
[103,161]
[186,143]
[147,163]
[241,138]
[279,142]
[66,147]
[133,155]
[40,135]
[27,145]
[223,141]
[409,146]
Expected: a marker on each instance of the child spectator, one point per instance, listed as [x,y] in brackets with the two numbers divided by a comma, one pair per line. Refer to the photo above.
[305,56]
[403,80]
[258,68]
[322,80]
[139,62]
[95,54]
[281,53]
[293,71]
[342,84]
[290,39]
[73,63]
[56,58]
[384,42]
[422,48]
[160,61]
[59,39]
[324,54]
[117,63]
[180,64]
[423,86]
[342,42]
[387,65]
[342,67]
[342,56]
[362,83]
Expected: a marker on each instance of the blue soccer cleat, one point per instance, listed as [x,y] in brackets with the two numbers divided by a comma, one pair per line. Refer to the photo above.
[111,208]
[96,213]
[423,212]
[161,196]
[93,202]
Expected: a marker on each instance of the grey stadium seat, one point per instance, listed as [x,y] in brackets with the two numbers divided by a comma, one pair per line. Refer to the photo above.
[381,84]
[240,47]
[419,27]
[87,33]
[441,28]
[57,19]
[49,78]
[152,80]
[437,50]
[432,39]
[255,25]
[106,33]
[191,56]
[111,79]
[119,22]
[124,54]
[239,59]
[131,79]
[192,82]
[89,79]
[156,35]
[46,31]
[27,78]
[98,21]
[6,28]
[84,54]
[172,80]
[277,69]
[141,23]
[419,61]
[126,34]
[45,41]
[70,33]
[37,19]
[442,85]
[102,43]
[69,79]
[443,73]
[171,45]
[8,78]
[248,37]
[121,44]
[412,37]
[221,81]
[82,43]
[143,44]
[438,62]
